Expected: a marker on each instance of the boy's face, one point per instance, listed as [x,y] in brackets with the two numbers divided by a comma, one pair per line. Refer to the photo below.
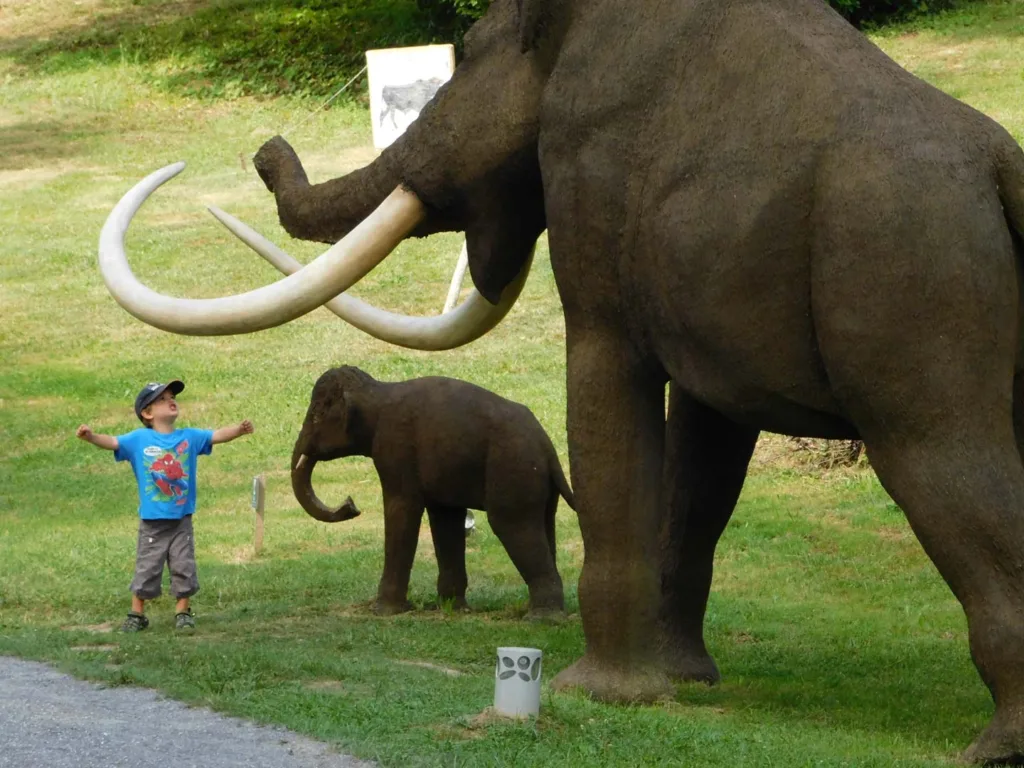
[163,409]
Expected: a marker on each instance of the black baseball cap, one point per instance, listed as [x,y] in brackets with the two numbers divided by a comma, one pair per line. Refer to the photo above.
[152,391]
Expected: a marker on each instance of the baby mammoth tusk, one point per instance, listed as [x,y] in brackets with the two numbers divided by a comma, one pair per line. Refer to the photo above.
[468,322]
[300,462]
[337,269]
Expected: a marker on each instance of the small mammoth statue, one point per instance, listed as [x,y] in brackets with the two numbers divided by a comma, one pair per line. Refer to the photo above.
[445,446]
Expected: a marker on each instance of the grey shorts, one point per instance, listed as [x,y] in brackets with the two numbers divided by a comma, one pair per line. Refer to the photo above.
[165,541]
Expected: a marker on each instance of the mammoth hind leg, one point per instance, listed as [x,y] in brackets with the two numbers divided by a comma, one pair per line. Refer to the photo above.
[448,530]
[706,458]
[963,494]
[949,457]
[922,362]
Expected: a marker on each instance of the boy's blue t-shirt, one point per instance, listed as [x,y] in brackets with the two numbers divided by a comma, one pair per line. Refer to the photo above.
[165,469]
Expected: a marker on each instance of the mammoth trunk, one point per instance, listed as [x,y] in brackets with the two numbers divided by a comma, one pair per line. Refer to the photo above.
[302,487]
[323,212]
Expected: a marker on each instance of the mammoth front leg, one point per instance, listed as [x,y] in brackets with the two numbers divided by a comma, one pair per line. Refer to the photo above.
[705,466]
[448,530]
[402,518]
[616,425]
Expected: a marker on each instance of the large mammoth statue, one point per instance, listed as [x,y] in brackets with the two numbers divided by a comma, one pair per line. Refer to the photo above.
[442,445]
[746,199]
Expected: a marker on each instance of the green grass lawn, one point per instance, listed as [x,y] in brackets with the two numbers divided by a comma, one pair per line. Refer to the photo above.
[838,642]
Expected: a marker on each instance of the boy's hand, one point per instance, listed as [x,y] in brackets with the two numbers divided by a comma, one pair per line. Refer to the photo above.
[227,434]
[107,442]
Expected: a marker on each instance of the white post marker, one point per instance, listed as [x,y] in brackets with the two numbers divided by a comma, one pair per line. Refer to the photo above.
[457,276]
[259,491]
[517,682]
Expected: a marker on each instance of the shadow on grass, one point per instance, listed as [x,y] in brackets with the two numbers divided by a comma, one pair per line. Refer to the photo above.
[234,47]
[39,144]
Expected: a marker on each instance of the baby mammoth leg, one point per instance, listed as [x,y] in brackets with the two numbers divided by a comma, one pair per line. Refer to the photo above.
[550,514]
[448,530]
[524,535]
[402,518]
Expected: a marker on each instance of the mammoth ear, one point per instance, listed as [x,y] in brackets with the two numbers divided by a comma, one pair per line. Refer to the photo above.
[502,232]
[532,18]
[496,255]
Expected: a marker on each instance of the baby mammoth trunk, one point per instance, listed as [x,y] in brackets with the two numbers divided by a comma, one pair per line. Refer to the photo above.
[302,486]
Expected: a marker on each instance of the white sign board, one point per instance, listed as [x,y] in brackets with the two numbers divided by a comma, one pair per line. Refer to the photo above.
[402,81]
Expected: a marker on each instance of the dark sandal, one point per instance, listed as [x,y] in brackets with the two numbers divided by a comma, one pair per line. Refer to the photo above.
[135,622]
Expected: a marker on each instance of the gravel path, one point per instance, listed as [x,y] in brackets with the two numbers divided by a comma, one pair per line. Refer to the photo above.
[51,719]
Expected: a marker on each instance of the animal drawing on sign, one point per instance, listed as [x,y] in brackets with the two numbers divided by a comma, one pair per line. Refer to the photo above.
[411,97]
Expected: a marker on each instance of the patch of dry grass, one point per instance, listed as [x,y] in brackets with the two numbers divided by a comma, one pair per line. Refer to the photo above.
[40,20]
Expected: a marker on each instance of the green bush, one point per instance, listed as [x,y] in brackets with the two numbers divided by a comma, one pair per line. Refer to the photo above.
[460,14]
[309,47]
[874,12]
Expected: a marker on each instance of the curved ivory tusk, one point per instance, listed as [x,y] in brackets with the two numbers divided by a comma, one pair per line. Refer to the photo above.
[301,461]
[334,271]
[467,322]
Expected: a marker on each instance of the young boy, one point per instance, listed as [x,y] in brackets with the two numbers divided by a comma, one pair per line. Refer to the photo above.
[164,461]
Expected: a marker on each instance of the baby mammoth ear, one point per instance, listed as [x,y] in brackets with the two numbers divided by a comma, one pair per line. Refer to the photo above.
[355,420]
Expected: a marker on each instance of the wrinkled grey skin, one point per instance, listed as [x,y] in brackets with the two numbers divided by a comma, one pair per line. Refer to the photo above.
[445,446]
[749,201]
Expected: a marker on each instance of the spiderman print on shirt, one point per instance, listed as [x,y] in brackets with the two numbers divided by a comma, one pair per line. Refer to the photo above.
[167,479]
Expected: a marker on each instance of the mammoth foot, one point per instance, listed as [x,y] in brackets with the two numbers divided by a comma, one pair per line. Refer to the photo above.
[1001,743]
[385,608]
[615,684]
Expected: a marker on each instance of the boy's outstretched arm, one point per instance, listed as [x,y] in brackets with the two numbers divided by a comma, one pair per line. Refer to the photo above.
[227,434]
[107,442]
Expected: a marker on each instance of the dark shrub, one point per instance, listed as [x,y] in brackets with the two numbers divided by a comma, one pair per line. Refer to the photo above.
[873,12]
[457,15]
